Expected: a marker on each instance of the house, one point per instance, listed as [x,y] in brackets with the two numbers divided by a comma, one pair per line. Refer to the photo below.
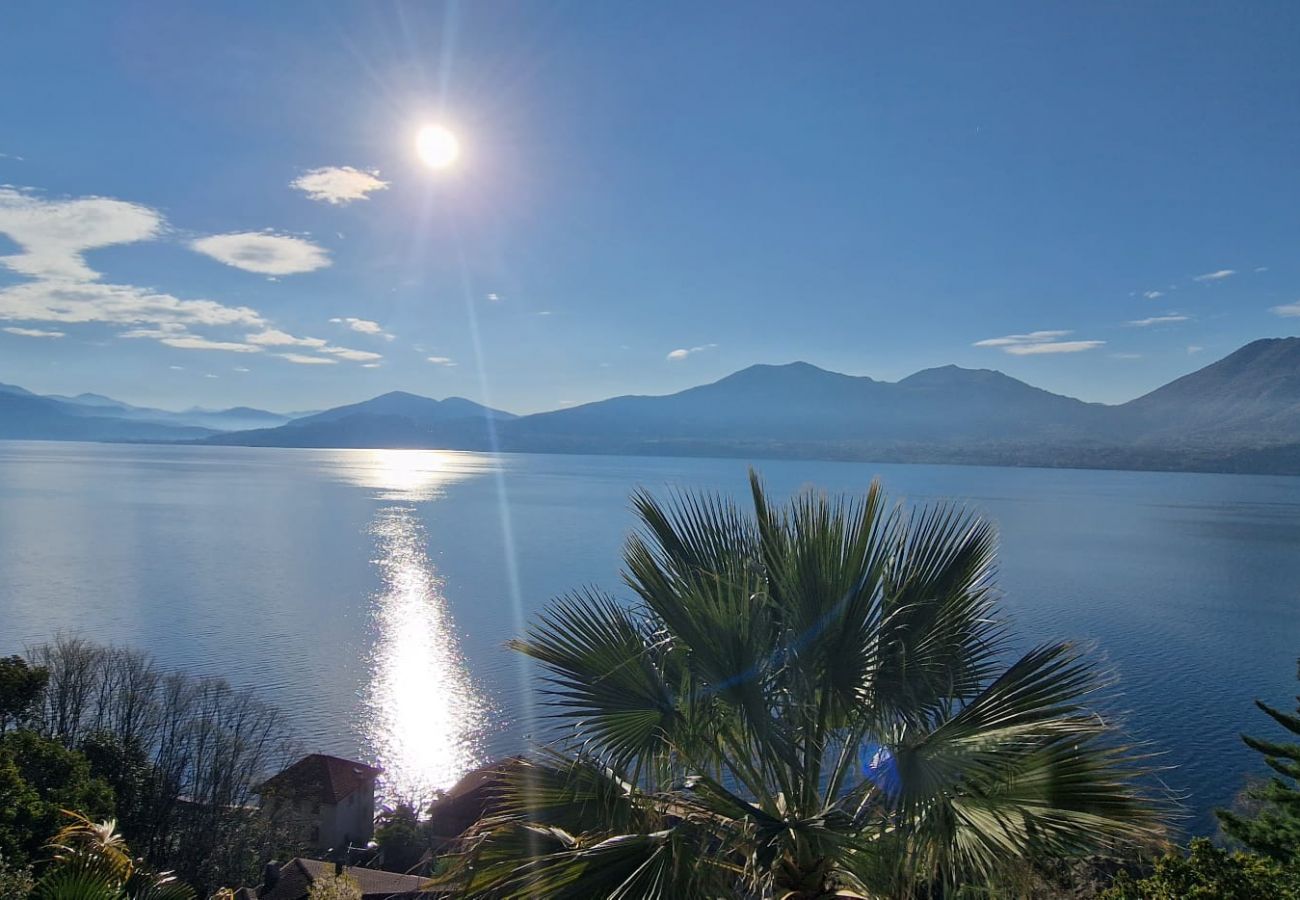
[475,796]
[294,879]
[329,800]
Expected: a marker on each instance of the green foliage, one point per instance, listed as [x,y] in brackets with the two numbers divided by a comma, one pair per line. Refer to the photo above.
[91,861]
[334,887]
[804,700]
[1274,828]
[401,839]
[125,767]
[1210,873]
[16,882]
[38,779]
[21,686]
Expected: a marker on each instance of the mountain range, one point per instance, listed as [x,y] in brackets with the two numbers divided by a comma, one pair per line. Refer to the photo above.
[1240,414]
[94,417]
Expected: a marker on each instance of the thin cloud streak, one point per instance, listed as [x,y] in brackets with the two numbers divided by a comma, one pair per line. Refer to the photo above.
[1215,276]
[34,332]
[1158,320]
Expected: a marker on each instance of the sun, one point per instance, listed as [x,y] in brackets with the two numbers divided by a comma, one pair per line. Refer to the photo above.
[437,147]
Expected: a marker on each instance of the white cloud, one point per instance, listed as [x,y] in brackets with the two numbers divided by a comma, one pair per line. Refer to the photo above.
[274,337]
[1218,275]
[1038,342]
[54,235]
[338,184]
[1192,348]
[442,360]
[1152,295]
[1053,347]
[370,365]
[264,253]
[1287,310]
[350,354]
[1261,268]
[177,368]
[123,304]
[363,326]
[1011,340]
[34,332]
[683,352]
[196,342]
[182,340]
[495,298]
[303,359]
[1158,320]
[210,375]
[242,369]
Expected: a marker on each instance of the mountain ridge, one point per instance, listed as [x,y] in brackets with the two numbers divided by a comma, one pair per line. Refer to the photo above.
[1239,413]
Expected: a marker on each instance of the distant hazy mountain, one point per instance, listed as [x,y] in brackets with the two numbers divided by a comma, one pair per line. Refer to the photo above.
[25,416]
[396,419]
[148,423]
[800,404]
[1249,398]
[1240,414]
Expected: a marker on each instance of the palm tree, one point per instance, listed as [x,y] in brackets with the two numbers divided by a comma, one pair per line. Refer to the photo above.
[91,861]
[811,701]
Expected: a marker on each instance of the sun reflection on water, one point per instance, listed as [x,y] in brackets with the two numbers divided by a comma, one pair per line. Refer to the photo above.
[426,720]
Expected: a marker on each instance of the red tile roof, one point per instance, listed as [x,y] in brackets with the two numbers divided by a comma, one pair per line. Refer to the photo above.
[297,876]
[327,779]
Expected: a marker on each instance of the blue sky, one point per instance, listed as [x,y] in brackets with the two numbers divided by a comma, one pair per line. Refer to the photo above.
[221,204]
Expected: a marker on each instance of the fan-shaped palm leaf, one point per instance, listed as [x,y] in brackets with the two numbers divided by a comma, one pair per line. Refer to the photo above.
[809,701]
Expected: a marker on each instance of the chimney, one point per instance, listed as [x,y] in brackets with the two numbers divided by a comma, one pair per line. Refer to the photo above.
[270,875]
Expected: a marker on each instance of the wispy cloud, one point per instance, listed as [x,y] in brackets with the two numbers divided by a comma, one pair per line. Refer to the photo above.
[1126,355]
[123,304]
[243,370]
[1053,347]
[34,332]
[353,355]
[683,352]
[494,298]
[1193,348]
[263,252]
[1287,310]
[1218,275]
[1012,340]
[54,235]
[441,360]
[1159,320]
[274,337]
[303,359]
[184,341]
[1153,295]
[1034,343]
[1261,268]
[338,185]
[363,326]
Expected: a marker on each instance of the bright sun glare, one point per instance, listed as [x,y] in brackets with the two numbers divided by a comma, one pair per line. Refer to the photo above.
[437,147]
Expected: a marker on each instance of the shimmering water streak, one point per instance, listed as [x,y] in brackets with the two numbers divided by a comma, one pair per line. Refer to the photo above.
[426,719]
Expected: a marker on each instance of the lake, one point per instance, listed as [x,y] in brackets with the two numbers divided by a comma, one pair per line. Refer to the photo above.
[370,593]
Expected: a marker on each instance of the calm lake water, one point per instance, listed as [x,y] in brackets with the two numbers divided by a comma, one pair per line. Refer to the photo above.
[370,593]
